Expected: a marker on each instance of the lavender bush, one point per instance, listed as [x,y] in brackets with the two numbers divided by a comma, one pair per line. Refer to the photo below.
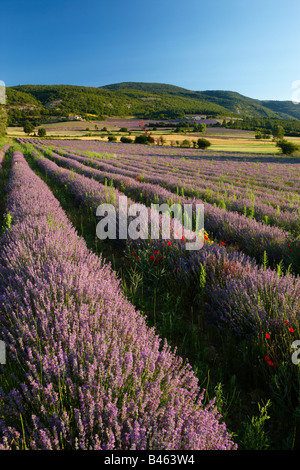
[83,370]
[253,237]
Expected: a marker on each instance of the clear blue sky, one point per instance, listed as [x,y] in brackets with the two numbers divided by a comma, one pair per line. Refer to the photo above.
[251,47]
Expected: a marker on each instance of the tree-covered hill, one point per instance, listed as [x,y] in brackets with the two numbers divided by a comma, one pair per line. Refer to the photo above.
[66,99]
[284,108]
[234,103]
[143,100]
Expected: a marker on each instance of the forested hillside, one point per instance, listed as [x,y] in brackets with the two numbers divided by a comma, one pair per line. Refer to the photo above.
[142,100]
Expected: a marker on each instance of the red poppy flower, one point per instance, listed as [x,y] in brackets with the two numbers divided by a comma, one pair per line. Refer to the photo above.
[137,257]
[223,243]
[156,252]
[151,257]
[291,330]
[169,243]
[206,238]
[271,363]
[286,321]
[268,336]
[289,245]
[182,238]
[267,358]
[133,254]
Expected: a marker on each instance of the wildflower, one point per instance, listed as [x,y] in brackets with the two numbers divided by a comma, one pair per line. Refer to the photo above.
[267,358]
[291,330]
[223,243]
[182,238]
[169,243]
[206,237]
[151,257]
[268,336]
[133,254]
[156,252]
[156,260]
[137,257]
[271,363]
[286,321]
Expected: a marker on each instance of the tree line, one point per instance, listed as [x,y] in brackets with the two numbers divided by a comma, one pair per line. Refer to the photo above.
[266,126]
[3,120]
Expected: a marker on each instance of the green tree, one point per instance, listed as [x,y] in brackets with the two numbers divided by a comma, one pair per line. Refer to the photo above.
[162,140]
[126,140]
[203,143]
[28,127]
[144,139]
[42,132]
[288,148]
[278,132]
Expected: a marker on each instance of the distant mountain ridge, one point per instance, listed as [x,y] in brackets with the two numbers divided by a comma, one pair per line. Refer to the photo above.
[147,100]
[230,100]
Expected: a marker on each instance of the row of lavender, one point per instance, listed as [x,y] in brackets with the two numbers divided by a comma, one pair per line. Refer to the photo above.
[271,209]
[91,194]
[84,369]
[240,294]
[280,174]
[281,214]
[252,237]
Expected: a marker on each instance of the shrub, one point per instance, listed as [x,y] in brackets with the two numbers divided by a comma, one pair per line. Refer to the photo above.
[42,132]
[144,139]
[112,138]
[28,127]
[203,143]
[287,147]
[126,140]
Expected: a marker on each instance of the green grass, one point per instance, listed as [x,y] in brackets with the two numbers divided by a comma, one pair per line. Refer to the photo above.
[4,175]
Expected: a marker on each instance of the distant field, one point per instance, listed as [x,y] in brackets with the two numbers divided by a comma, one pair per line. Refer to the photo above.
[227,140]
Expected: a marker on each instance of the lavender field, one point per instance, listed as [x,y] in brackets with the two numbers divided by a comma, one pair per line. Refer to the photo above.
[144,345]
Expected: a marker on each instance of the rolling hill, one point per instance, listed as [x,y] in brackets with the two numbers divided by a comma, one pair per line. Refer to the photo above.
[143,100]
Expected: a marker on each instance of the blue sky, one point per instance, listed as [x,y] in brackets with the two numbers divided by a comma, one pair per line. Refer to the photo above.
[252,47]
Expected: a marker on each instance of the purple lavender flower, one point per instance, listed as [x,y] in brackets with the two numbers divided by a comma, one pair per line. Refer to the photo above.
[85,370]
